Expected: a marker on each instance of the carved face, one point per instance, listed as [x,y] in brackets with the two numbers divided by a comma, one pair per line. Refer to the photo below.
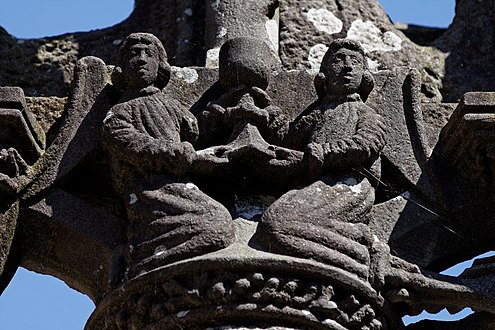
[141,65]
[344,71]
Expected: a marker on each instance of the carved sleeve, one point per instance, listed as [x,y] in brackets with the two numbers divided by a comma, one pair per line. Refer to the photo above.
[298,133]
[360,148]
[126,143]
[189,130]
[276,125]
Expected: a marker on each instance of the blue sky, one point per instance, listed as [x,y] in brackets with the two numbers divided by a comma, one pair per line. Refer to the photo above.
[37,302]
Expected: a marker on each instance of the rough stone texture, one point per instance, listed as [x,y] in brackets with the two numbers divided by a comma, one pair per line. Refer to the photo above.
[386,47]
[407,148]
[22,143]
[429,195]
[43,67]
[49,229]
[78,133]
[223,17]
[148,137]
[461,162]
[469,44]
[245,295]
[8,223]
[47,110]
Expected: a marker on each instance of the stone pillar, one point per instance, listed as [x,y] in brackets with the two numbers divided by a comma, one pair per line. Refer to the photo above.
[227,19]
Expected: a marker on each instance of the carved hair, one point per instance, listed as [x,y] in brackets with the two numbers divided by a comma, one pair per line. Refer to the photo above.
[367,82]
[164,69]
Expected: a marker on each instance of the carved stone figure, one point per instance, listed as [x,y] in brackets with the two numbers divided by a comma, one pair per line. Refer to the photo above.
[22,142]
[148,136]
[243,128]
[341,138]
[316,196]
[244,69]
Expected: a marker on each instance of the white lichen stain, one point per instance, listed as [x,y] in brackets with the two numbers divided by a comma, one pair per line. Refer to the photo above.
[249,207]
[160,250]
[108,116]
[188,12]
[373,65]
[117,42]
[222,32]
[352,184]
[333,324]
[132,199]
[212,56]
[187,74]
[324,20]
[191,185]
[206,152]
[182,314]
[315,56]
[272,32]
[372,39]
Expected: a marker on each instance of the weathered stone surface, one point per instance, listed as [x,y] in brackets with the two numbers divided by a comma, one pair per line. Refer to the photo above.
[407,146]
[306,27]
[148,137]
[78,133]
[44,66]
[469,45]
[46,110]
[49,231]
[422,189]
[260,21]
[255,291]
[9,212]
[22,143]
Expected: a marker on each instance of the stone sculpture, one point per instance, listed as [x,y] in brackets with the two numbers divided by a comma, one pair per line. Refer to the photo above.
[22,143]
[252,194]
[148,137]
[242,128]
[341,138]
[245,67]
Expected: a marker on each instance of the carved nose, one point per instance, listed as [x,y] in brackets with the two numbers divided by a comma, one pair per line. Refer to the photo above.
[348,63]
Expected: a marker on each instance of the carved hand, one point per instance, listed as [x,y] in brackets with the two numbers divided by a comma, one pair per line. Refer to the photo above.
[188,153]
[314,158]
[247,111]
[180,158]
[11,163]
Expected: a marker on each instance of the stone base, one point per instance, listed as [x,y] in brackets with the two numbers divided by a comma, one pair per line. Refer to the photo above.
[224,291]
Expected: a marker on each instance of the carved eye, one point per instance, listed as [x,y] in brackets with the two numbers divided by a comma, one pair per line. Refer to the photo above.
[355,60]
[150,52]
